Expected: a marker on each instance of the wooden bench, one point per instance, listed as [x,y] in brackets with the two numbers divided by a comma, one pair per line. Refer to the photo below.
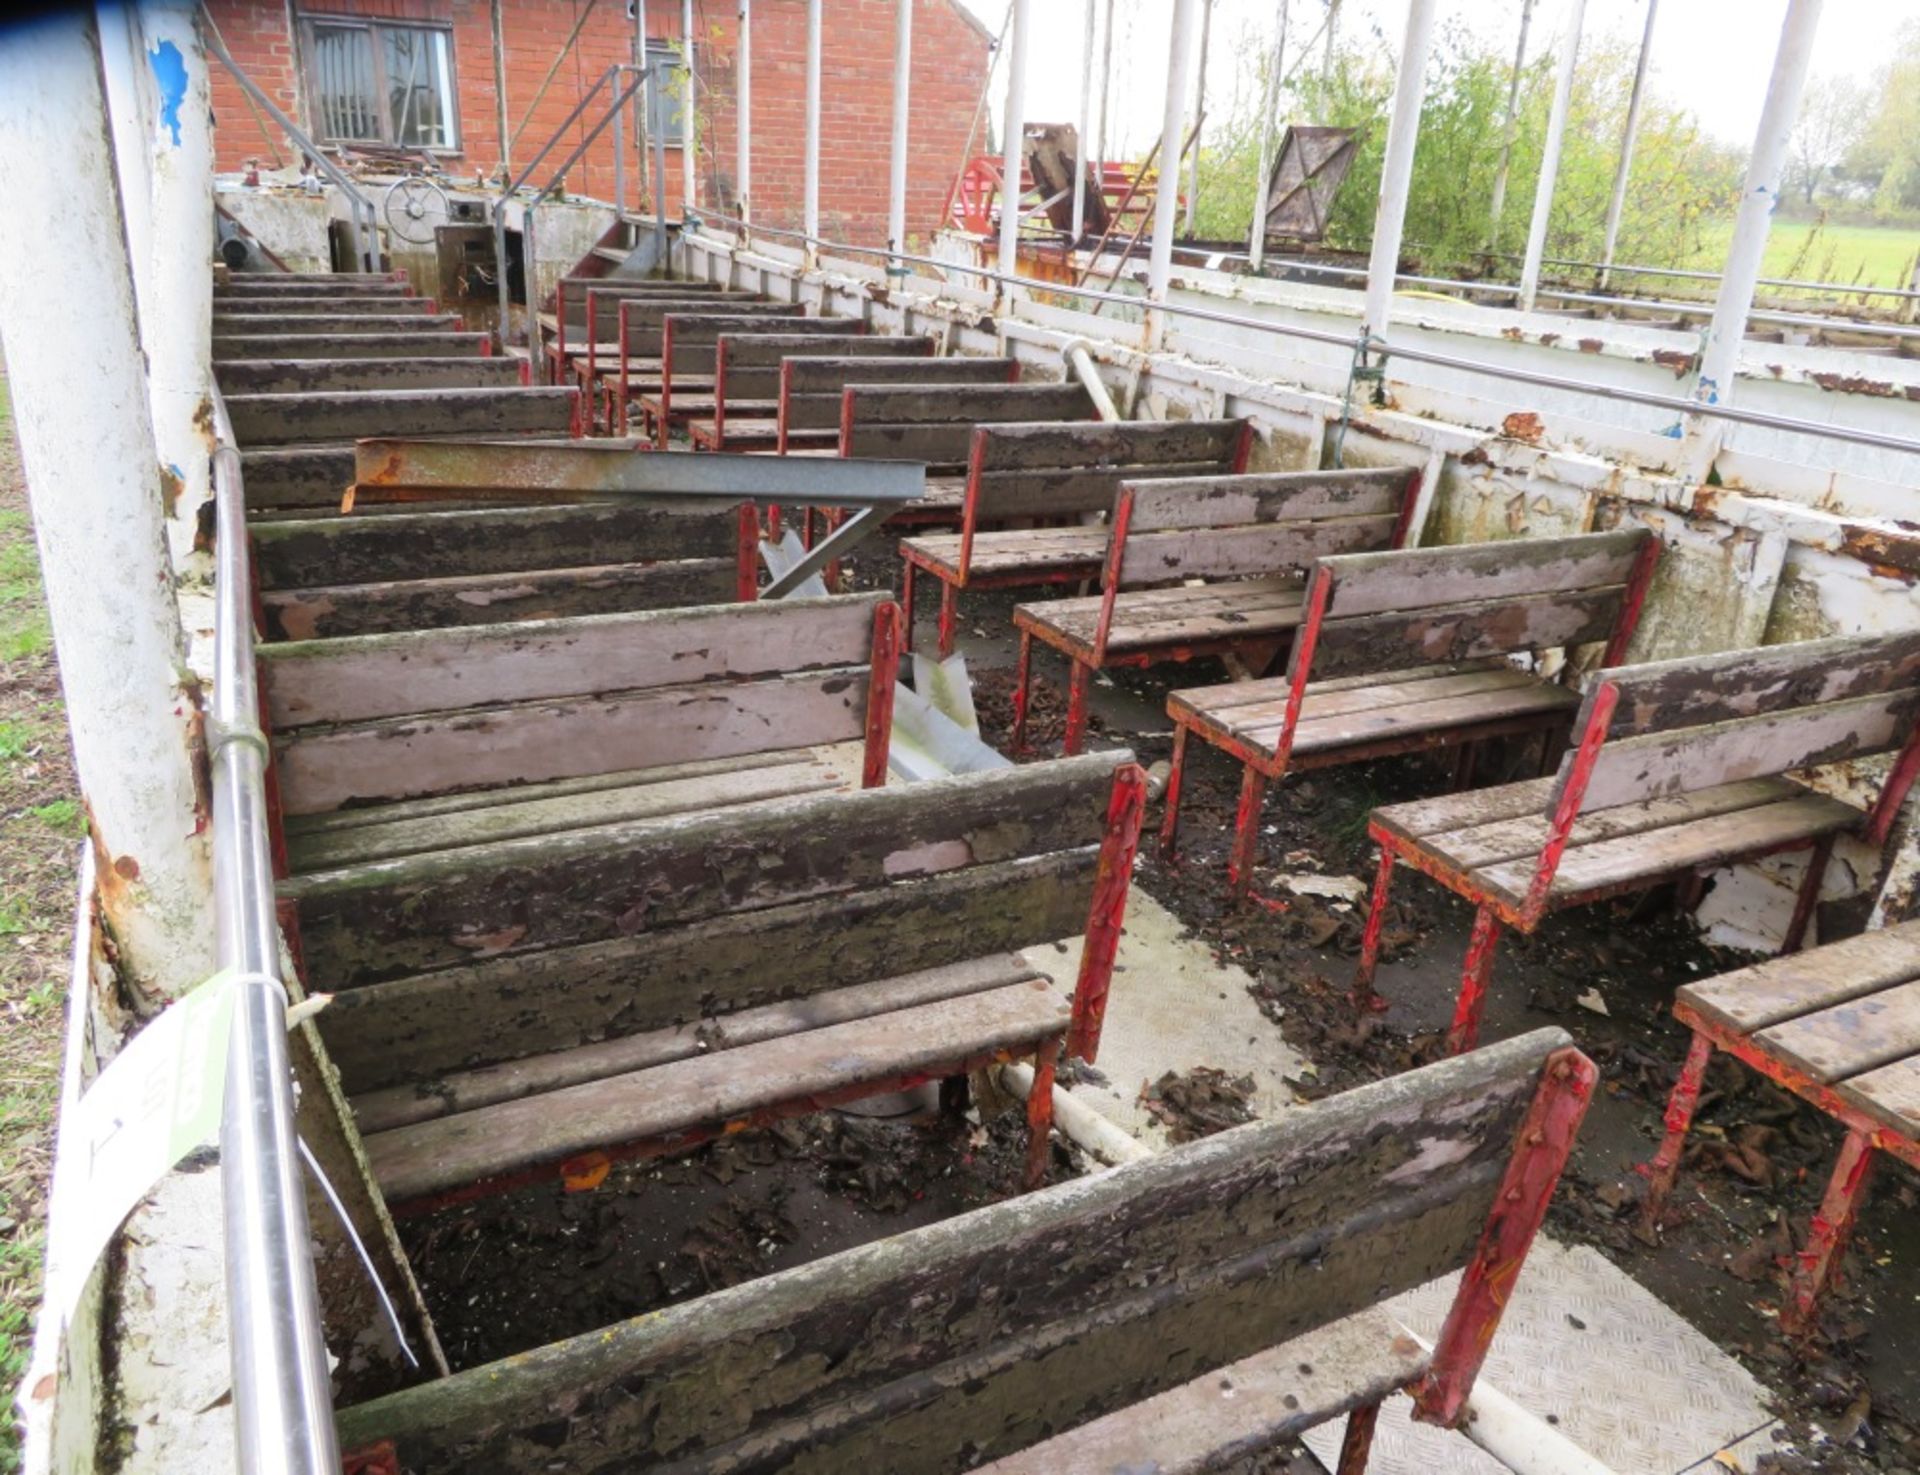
[1405,652]
[599,362]
[435,740]
[264,343]
[404,570]
[315,417]
[1192,1311]
[690,356]
[812,387]
[1207,565]
[332,375]
[580,322]
[502,1011]
[746,384]
[1839,1026]
[1678,767]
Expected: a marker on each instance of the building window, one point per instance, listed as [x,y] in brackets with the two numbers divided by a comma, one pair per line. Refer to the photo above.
[669,102]
[378,83]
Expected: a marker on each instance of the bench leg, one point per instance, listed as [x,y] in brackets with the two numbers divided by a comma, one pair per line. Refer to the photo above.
[1464,758]
[1832,1228]
[1464,1033]
[1170,820]
[906,603]
[1040,1114]
[949,617]
[1078,685]
[1246,831]
[1665,1167]
[1809,896]
[1376,921]
[1357,1443]
[955,1096]
[1022,674]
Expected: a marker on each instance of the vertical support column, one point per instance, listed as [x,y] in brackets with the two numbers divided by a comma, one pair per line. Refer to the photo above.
[1199,114]
[1396,170]
[811,210]
[743,114]
[1100,127]
[86,436]
[1509,132]
[1080,156]
[500,92]
[1269,100]
[1720,355]
[1617,204]
[130,119]
[690,143]
[1014,134]
[897,179]
[1167,190]
[1550,157]
[177,319]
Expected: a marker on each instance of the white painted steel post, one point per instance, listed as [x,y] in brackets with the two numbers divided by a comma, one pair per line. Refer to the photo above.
[1269,100]
[1550,157]
[178,319]
[1396,170]
[902,88]
[1720,354]
[690,140]
[1510,132]
[129,116]
[1014,134]
[1199,114]
[810,208]
[1617,204]
[1106,83]
[1080,155]
[743,114]
[86,436]
[1166,192]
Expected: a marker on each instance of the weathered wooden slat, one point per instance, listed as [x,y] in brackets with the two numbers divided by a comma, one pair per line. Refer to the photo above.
[272,320]
[1012,447]
[276,284]
[830,374]
[707,1091]
[937,445]
[1246,550]
[647,309]
[699,976]
[1540,700]
[1850,1039]
[337,303]
[1069,489]
[289,343]
[329,611]
[770,350]
[310,416]
[1231,1416]
[401,757]
[1679,759]
[915,404]
[494,540]
[1499,625]
[703,329]
[1692,691]
[513,1080]
[919,1352]
[314,477]
[410,674]
[1446,814]
[331,376]
[1890,1094]
[1416,578]
[1238,706]
[1784,988]
[1287,496]
[385,921]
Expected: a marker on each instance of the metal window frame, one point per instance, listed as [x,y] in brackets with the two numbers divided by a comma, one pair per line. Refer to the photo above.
[373,25]
[676,58]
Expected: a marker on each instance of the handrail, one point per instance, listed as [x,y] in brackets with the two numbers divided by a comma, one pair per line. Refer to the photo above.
[361,219]
[283,1408]
[529,273]
[1357,342]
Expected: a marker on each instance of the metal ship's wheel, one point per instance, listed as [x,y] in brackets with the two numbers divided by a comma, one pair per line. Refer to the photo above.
[413,207]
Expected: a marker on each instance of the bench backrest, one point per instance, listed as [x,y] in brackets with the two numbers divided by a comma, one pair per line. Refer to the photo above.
[314,417]
[689,342]
[641,322]
[631,927]
[580,299]
[965,1341]
[935,424]
[417,713]
[811,386]
[1679,726]
[1016,472]
[747,365]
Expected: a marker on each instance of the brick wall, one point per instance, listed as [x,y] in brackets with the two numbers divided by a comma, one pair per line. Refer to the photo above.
[950,64]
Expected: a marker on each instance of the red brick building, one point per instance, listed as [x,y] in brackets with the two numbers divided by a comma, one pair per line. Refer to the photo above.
[423,74]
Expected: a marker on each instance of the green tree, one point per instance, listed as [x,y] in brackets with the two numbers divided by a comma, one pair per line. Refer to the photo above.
[1887,156]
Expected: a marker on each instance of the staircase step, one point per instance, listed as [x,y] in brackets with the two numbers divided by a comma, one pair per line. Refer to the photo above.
[611,253]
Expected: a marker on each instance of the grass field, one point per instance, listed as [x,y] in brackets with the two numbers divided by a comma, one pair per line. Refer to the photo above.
[41,823]
[1870,255]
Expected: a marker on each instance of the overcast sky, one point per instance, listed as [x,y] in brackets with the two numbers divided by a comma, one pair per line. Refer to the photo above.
[1711,55]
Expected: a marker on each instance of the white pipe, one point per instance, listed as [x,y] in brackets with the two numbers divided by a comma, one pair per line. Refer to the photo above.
[1269,100]
[690,141]
[743,114]
[1166,192]
[1014,134]
[1199,113]
[130,114]
[1080,157]
[1510,131]
[1550,157]
[902,87]
[1106,83]
[1080,359]
[86,437]
[1396,170]
[1077,1120]
[810,209]
[1721,352]
[1617,204]
[178,316]
[1516,1436]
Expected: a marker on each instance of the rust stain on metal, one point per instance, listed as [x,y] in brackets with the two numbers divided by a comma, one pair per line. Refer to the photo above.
[1856,384]
[1512,334]
[1893,553]
[1523,425]
[1590,345]
[172,484]
[1547,340]
[1678,360]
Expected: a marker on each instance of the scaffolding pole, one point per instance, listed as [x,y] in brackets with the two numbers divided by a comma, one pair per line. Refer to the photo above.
[1510,132]
[1166,192]
[1015,133]
[1080,157]
[1550,158]
[1396,170]
[902,91]
[1269,101]
[1618,203]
